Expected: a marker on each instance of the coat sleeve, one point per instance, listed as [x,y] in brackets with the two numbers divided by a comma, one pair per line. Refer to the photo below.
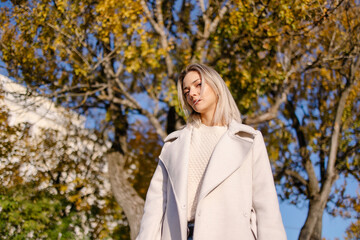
[151,223]
[265,202]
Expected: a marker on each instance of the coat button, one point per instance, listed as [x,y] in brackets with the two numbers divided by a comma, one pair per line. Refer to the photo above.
[245,214]
[183,206]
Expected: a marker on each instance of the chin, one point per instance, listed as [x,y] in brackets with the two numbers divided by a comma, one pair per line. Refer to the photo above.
[197,111]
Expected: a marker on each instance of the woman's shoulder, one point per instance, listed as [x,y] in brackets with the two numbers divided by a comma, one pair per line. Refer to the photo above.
[236,127]
[245,132]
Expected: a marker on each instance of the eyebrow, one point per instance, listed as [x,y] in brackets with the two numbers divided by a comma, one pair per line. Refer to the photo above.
[190,84]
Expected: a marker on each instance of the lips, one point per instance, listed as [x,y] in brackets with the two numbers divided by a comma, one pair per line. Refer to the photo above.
[196,102]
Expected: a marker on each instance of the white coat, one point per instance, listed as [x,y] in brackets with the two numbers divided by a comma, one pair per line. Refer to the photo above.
[237,199]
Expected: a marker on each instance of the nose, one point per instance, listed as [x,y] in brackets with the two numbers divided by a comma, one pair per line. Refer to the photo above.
[193,92]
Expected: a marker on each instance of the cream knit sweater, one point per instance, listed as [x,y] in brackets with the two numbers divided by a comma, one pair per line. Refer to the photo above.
[203,141]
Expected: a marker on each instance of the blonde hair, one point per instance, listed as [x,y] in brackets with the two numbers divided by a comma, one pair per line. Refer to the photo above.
[226,108]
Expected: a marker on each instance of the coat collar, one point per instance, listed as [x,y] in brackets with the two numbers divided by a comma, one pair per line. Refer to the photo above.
[227,157]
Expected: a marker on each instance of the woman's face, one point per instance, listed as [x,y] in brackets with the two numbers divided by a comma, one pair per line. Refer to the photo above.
[191,88]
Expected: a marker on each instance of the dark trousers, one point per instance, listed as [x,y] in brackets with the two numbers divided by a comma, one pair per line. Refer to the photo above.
[190,230]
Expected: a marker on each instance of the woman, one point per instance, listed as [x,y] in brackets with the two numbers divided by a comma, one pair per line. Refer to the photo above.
[213,180]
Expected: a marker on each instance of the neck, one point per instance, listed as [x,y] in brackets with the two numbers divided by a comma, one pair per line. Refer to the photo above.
[207,119]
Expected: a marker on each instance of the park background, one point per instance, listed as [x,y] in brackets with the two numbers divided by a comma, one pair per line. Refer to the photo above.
[107,72]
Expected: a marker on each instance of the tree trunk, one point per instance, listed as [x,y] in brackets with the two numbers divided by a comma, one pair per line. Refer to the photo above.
[313,224]
[174,121]
[124,193]
[316,235]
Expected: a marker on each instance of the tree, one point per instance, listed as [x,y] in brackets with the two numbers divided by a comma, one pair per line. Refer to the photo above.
[81,55]
[322,117]
[353,231]
[85,55]
[314,137]
[120,60]
[54,184]
[303,59]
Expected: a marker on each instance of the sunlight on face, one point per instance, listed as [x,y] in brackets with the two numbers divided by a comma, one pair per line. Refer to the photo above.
[204,104]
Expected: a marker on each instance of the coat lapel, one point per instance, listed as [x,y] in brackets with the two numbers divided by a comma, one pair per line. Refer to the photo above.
[227,157]
[175,159]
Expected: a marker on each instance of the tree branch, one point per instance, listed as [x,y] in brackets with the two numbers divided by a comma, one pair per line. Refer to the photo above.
[209,28]
[159,29]
[148,15]
[330,171]
[132,103]
[217,19]
[280,99]
[312,179]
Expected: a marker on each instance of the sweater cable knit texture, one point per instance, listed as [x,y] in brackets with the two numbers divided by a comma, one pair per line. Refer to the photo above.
[203,142]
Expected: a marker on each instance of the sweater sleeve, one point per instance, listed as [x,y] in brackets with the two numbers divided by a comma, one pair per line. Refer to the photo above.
[151,223]
[265,202]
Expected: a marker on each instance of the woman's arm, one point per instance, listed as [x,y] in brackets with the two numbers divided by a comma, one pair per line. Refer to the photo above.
[155,203]
[265,202]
